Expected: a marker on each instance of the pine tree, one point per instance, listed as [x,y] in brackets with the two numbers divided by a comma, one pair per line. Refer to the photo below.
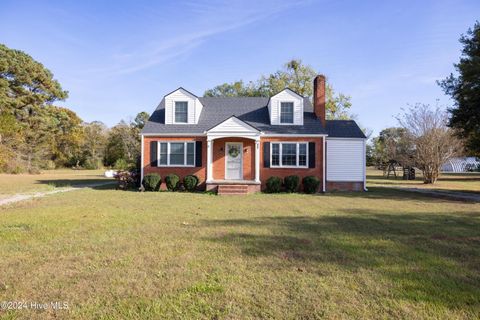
[465,91]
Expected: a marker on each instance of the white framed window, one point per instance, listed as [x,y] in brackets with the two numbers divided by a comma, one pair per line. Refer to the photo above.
[181,112]
[286,112]
[176,154]
[289,154]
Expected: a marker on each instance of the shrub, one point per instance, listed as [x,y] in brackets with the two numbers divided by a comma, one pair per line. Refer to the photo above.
[310,184]
[190,182]
[34,170]
[274,184]
[151,182]
[92,164]
[121,164]
[172,181]
[291,183]
[49,165]
[16,170]
[127,179]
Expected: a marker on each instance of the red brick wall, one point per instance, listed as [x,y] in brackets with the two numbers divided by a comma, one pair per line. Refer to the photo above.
[266,173]
[200,172]
[248,159]
[219,158]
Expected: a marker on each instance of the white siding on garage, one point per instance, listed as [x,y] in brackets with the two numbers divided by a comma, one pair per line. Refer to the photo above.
[345,159]
[286,96]
[194,106]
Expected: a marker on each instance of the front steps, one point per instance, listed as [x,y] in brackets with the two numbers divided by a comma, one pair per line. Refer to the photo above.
[232,189]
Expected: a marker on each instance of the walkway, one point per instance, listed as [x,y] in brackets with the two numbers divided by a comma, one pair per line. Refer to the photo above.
[21,197]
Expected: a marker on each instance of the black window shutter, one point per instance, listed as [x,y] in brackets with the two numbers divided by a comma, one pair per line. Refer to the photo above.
[311,154]
[153,153]
[198,153]
[266,154]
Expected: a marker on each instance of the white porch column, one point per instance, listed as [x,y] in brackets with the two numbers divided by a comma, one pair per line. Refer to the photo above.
[257,160]
[209,160]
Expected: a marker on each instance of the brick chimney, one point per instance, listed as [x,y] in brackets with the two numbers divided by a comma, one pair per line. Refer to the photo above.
[319,97]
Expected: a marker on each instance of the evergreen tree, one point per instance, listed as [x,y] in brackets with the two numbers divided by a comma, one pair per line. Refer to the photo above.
[464,88]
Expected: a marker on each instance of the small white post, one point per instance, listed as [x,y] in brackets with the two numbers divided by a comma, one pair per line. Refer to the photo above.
[209,160]
[257,160]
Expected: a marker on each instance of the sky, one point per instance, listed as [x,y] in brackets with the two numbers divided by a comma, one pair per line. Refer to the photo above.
[117,58]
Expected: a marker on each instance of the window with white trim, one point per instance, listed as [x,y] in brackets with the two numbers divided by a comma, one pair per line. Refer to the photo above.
[289,154]
[176,154]
[181,111]
[286,112]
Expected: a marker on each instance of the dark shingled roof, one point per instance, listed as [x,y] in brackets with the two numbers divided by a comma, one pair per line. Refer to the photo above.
[344,129]
[252,110]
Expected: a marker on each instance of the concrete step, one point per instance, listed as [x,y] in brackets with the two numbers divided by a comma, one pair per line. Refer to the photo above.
[232,189]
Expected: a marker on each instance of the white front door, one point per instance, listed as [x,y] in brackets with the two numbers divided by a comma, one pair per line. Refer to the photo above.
[234,160]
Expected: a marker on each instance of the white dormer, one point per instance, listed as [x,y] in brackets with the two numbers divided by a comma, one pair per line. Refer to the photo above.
[286,108]
[182,107]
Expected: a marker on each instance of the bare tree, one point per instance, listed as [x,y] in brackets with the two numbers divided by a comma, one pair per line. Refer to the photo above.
[434,143]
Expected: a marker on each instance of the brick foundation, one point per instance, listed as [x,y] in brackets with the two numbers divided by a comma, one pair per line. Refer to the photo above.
[345,186]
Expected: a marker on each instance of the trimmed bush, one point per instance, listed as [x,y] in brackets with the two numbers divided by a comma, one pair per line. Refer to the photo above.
[274,184]
[172,181]
[152,181]
[310,184]
[190,182]
[291,183]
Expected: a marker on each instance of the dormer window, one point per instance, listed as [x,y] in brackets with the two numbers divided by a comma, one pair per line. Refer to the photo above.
[286,108]
[182,107]
[181,111]
[286,112]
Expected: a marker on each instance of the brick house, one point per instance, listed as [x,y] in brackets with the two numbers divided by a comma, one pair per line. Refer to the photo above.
[237,143]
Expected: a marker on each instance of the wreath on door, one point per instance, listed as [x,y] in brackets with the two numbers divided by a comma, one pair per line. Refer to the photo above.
[233,151]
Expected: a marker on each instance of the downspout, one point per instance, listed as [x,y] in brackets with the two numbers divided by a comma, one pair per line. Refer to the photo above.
[141,159]
[324,151]
[365,165]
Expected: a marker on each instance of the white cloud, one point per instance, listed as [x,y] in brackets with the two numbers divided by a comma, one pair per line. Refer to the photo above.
[209,19]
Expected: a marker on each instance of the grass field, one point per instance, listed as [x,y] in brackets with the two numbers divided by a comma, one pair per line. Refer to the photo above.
[114,254]
[48,180]
[465,182]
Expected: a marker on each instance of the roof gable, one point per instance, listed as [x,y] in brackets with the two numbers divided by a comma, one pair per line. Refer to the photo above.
[233,125]
[184,91]
[288,90]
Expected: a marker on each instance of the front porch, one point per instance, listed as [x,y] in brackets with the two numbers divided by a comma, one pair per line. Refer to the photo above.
[233,158]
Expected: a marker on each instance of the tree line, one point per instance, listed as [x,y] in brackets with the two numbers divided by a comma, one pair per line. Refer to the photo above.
[36,134]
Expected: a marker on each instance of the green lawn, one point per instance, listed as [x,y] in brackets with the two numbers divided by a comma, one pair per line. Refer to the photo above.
[47,180]
[114,254]
[465,182]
